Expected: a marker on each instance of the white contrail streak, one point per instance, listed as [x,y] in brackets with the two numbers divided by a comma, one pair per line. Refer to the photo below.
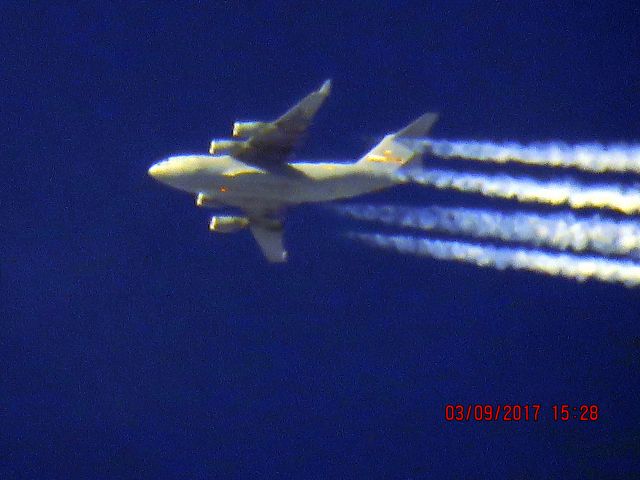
[588,157]
[564,265]
[562,231]
[524,189]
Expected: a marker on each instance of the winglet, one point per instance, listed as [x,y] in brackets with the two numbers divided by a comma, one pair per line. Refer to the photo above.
[300,115]
[325,89]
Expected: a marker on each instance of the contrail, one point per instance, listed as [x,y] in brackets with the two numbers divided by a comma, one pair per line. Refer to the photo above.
[562,231]
[591,157]
[524,189]
[564,265]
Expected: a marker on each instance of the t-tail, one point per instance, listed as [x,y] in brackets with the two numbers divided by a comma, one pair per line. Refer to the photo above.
[401,149]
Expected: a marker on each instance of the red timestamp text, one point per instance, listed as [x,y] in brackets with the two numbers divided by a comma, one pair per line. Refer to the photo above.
[480,412]
[492,413]
[583,413]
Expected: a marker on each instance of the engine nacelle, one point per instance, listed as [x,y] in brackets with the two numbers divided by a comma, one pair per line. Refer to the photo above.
[228,223]
[225,147]
[248,129]
[203,201]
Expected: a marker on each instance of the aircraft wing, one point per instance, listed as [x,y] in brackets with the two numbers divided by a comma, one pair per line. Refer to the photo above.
[270,146]
[268,232]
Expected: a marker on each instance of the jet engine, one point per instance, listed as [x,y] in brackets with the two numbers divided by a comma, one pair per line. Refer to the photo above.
[248,129]
[203,201]
[225,147]
[228,223]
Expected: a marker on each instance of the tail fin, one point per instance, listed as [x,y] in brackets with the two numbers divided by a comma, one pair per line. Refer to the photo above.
[400,149]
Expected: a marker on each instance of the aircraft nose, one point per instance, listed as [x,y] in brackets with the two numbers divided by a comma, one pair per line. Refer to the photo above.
[170,171]
[156,170]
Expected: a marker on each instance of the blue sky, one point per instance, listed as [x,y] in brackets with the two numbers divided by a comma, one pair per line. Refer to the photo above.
[134,344]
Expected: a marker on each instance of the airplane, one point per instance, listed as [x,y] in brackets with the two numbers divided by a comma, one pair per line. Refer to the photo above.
[254,173]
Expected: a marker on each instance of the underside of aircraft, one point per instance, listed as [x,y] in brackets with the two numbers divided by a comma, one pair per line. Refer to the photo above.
[254,174]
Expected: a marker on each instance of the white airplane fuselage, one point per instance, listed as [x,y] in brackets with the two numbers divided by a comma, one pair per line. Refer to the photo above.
[252,172]
[230,182]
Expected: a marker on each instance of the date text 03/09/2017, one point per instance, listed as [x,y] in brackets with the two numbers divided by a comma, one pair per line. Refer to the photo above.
[485,412]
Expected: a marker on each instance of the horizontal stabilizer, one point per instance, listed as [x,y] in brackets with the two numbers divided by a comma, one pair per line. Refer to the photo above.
[393,153]
[419,127]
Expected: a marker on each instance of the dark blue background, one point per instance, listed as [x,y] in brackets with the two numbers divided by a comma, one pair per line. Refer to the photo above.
[133,344]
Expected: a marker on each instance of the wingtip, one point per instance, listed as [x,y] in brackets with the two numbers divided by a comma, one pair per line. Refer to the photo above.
[325,89]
